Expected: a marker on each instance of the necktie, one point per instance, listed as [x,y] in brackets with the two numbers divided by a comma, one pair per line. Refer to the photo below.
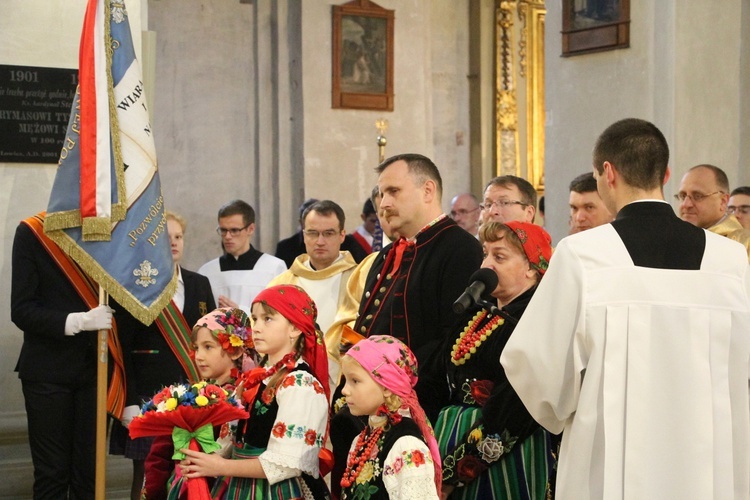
[401,245]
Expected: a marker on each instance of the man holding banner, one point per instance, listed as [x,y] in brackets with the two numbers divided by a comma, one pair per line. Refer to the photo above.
[57,364]
[106,214]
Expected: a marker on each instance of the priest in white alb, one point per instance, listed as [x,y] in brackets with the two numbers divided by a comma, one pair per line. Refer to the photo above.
[636,345]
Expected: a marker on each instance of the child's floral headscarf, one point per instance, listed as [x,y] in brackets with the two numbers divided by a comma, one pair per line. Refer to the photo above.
[230,326]
[392,365]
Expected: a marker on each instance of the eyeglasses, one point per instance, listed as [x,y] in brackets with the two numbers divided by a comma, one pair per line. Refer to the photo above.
[462,212]
[739,209]
[502,204]
[234,231]
[314,235]
[695,197]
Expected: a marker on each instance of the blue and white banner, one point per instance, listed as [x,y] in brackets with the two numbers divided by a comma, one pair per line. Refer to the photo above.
[106,209]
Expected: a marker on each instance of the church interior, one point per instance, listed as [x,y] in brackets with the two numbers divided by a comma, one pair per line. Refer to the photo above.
[262,100]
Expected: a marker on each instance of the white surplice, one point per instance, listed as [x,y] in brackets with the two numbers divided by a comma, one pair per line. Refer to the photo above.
[242,286]
[644,370]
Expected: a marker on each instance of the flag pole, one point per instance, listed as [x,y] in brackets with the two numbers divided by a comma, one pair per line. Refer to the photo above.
[101,406]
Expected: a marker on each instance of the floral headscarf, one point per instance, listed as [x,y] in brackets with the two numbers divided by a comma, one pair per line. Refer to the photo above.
[537,243]
[295,305]
[230,326]
[392,365]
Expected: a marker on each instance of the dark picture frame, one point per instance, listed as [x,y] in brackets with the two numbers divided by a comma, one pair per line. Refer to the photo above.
[362,56]
[595,25]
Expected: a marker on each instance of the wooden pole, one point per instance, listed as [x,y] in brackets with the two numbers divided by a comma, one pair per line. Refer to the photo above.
[101,407]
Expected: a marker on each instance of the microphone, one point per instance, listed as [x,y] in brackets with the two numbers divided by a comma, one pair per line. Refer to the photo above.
[481,280]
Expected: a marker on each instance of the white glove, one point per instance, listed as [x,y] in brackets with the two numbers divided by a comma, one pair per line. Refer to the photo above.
[98,318]
[128,414]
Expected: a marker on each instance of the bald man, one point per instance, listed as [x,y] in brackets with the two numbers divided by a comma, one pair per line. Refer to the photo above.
[465,211]
[703,197]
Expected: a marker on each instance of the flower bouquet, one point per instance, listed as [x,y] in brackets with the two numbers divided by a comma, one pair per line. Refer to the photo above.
[188,412]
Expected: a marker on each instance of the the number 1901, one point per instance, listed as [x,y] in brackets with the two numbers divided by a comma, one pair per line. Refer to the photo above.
[21,76]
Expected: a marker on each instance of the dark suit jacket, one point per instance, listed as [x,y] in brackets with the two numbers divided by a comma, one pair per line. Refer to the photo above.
[416,305]
[150,363]
[290,248]
[41,298]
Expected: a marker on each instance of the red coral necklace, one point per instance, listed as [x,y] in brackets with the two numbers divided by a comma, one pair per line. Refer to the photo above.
[357,458]
[472,336]
[365,444]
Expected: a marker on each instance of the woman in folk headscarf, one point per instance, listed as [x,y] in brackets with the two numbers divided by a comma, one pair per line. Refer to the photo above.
[490,445]
[396,455]
[277,451]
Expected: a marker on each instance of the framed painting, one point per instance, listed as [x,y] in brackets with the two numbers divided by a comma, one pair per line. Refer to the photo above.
[362,56]
[595,25]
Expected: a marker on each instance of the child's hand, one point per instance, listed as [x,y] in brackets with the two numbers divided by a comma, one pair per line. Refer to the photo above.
[199,464]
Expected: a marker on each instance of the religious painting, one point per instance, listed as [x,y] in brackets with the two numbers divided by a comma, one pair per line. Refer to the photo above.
[362,56]
[595,25]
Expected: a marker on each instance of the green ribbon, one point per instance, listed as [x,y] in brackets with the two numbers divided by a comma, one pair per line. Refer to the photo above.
[203,435]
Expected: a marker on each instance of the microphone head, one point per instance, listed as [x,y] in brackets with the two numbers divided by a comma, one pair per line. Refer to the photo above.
[487,277]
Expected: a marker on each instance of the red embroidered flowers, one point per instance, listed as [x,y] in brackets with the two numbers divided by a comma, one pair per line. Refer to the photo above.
[279,429]
[310,437]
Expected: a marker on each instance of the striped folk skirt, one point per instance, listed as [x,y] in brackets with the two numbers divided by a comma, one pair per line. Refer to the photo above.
[243,488]
[522,474]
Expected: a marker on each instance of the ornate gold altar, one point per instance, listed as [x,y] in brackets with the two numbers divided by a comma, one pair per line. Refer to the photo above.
[519,89]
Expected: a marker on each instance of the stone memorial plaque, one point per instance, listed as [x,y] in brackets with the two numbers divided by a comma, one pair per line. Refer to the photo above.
[34,112]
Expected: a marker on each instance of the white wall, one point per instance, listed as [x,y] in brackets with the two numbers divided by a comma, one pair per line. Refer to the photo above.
[430,110]
[681,72]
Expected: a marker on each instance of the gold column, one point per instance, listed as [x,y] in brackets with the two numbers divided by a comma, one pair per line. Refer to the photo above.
[520,100]
[506,108]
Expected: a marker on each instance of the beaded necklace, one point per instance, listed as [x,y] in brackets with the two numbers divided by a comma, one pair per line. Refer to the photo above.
[366,441]
[471,337]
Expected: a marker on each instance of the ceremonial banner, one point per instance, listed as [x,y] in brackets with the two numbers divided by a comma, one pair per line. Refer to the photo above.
[106,208]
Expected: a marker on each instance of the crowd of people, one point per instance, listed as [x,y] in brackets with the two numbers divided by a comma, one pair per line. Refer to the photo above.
[576,373]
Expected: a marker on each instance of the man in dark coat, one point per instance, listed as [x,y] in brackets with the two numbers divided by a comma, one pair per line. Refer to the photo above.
[413,282]
[57,367]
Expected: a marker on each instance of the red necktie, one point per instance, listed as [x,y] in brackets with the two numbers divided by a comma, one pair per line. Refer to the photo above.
[400,245]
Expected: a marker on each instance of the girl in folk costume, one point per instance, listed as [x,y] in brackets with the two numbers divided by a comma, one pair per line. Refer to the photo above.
[276,450]
[396,455]
[222,340]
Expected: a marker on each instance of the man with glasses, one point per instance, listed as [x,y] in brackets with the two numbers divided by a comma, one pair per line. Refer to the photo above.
[508,198]
[703,197]
[739,205]
[465,211]
[290,248]
[636,343]
[323,272]
[237,276]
